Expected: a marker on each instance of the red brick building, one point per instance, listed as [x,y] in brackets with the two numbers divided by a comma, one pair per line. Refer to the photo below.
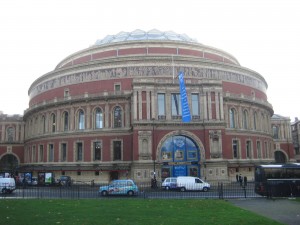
[114,110]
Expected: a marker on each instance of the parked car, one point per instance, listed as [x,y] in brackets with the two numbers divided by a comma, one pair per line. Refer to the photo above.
[7,185]
[119,187]
[169,183]
[65,181]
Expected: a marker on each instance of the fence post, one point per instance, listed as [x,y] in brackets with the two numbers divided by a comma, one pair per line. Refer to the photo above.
[23,192]
[220,189]
[78,192]
[60,192]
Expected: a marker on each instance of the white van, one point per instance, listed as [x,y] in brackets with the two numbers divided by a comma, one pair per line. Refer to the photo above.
[7,185]
[186,183]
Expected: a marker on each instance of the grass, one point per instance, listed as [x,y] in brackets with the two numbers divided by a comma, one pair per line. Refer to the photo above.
[125,211]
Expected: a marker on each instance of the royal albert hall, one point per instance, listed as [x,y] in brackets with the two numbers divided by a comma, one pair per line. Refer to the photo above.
[114,110]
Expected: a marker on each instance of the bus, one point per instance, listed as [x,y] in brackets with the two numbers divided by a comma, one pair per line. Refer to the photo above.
[278,180]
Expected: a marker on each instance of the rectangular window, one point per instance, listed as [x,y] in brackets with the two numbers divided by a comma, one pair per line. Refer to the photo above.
[66,93]
[117,87]
[81,121]
[97,151]
[41,153]
[235,149]
[117,146]
[51,153]
[248,149]
[98,119]
[28,155]
[258,149]
[161,106]
[63,152]
[176,106]
[266,150]
[79,151]
[33,154]
[195,106]
[66,121]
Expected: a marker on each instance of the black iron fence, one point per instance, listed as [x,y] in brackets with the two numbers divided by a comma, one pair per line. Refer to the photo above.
[81,190]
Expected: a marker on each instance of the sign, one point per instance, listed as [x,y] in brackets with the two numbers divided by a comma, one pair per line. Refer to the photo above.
[186,115]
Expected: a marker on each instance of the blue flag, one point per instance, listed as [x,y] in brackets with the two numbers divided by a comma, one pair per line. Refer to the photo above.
[186,115]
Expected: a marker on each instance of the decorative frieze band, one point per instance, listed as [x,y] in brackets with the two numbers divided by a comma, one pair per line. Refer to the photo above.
[131,72]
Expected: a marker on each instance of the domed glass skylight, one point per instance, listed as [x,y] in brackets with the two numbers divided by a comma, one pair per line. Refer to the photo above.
[143,35]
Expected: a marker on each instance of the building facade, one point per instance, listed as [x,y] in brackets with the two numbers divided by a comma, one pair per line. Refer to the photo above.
[114,110]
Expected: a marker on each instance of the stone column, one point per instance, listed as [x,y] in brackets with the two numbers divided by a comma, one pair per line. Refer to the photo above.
[153,108]
[88,117]
[58,120]
[22,132]
[3,133]
[168,106]
[221,106]
[72,128]
[17,132]
[127,114]
[217,105]
[107,115]
[204,105]
[148,105]
[209,116]
[134,105]
[140,105]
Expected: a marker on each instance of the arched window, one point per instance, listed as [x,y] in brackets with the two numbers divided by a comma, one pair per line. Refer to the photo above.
[263,127]
[36,126]
[66,121]
[98,118]
[275,132]
[245,119]
[31,127]
[10,134]
[255,121]
[117,117]
[53,122]
[80,119]
[232,118]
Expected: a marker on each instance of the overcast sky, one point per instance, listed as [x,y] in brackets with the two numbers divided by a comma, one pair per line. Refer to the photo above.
[264,35]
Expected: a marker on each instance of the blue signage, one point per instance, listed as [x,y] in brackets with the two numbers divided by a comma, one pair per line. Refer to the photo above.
[186,115]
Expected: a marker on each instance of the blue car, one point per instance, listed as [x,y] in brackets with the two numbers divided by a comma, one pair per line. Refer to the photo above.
[119,187]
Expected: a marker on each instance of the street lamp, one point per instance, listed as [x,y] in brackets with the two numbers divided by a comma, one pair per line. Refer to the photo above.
[153,183]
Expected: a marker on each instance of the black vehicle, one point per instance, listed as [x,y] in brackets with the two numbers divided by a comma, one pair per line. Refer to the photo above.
[65,181]
[278,180]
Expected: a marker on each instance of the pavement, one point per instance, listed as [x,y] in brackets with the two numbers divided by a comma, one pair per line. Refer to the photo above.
[283,210]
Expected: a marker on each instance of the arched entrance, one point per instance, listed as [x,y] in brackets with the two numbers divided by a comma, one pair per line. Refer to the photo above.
[280,157]
[9,163]
[180,156]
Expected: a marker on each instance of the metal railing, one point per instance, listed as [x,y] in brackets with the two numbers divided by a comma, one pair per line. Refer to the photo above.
[218,190]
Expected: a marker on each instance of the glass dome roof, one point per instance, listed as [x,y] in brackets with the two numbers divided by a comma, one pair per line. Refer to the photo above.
[144,35]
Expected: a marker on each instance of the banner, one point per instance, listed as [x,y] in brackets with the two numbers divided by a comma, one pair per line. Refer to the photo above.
[186,115]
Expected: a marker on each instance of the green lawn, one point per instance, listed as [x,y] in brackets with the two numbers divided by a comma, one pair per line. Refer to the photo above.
[125,211]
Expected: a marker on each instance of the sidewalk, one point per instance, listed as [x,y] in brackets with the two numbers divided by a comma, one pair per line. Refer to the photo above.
[286,211]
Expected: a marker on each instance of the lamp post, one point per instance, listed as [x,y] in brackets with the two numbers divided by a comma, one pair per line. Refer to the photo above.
[153,183]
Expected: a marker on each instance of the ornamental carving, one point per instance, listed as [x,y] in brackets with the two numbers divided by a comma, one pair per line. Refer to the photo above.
[215,144]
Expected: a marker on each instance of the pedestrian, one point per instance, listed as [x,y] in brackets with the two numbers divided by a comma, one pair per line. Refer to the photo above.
[237,177]
[245,180]
[240,179]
